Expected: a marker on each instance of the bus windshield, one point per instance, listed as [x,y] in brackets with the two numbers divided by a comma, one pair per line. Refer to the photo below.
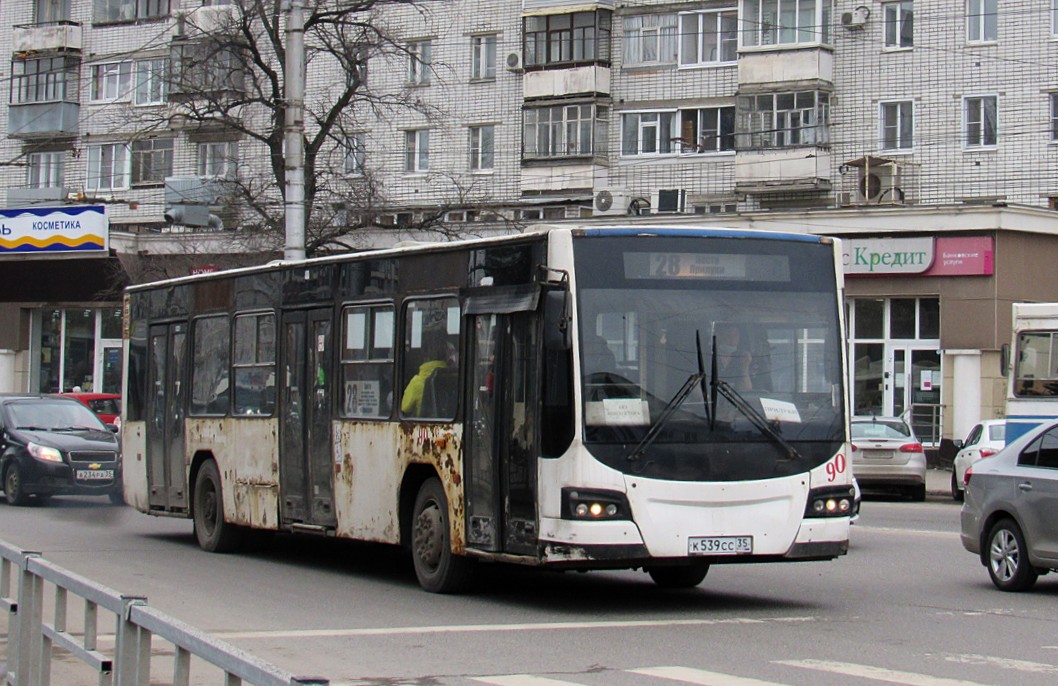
[752,323]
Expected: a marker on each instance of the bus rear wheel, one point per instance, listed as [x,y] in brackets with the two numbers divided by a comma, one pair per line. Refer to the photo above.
[437,568]
[687,576]
[213,533]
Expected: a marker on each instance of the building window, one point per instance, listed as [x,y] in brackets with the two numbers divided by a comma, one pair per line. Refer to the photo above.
[899,20]
[564,131]
[1054,116]
[152,160]
[650,39]
[482,147]
[982,20]
[367,361]
[785,22]
[253,365]
[980,117]
[648,133]
[205,67]
[355,153]
[1054,17]
[781,120]
[152,84]
[129,10]
[566,39]
[483,57]
[897,125]
[48,11]
[709,37]
[417,150]
[419,62]
[706,130]
[47,79]
[45,169]
[217,158]
[111,81]
[108,167]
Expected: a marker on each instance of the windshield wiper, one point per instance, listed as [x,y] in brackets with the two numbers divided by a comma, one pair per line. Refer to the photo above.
[721,387]
[33,428]
[76,427]
[666,414]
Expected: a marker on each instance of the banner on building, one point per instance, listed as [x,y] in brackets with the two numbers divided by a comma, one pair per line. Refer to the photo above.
[46,230]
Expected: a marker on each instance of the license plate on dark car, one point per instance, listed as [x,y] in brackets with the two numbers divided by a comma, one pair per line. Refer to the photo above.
[95,474]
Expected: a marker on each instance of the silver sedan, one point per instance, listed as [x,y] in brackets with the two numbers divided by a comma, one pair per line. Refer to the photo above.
[1008,518]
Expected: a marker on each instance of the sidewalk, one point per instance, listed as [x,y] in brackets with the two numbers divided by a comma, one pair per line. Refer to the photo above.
[938,481]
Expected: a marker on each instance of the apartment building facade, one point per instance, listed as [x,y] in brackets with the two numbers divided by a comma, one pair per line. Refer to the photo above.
[907,127]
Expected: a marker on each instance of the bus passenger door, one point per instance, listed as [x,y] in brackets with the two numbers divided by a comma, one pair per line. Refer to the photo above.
[500,434]
[305,471]
[166,473]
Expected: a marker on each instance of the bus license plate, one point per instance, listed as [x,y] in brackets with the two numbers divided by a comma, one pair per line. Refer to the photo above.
[95,474]
[719,545]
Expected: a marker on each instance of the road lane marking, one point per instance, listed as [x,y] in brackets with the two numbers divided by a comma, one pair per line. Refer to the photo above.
[912,532]
[483,628]
[1005,663]
[523,680]
[701,677]
[891,676]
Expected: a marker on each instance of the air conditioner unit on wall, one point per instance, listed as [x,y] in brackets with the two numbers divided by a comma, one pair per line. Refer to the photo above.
[610,202]
[856,19]
[514,60]
[880,186]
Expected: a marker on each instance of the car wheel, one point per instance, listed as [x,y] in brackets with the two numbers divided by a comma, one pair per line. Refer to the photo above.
[678,577]
[16,494]
[1008,557]
[212,532]
[436,567]
[956,492]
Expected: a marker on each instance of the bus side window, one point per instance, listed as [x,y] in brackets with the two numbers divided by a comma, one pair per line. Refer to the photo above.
[367,361]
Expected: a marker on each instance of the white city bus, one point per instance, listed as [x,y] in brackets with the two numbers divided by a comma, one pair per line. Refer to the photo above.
[1032,384]
[646,398]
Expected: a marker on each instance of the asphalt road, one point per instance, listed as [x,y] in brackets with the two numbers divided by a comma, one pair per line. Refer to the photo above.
[907,605]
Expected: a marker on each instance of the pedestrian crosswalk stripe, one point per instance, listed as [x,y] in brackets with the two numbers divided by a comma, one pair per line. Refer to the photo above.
[523,680]
[701,677]
[877,673]
[1005,663]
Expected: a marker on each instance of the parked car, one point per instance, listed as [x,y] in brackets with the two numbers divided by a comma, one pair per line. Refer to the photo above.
[985,439]
[51,445]
[106,405]
[1008,517]
[886,455]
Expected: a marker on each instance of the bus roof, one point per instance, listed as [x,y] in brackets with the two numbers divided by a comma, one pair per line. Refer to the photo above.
[530,231]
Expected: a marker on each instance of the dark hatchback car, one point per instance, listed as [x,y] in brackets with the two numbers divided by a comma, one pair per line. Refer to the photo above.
[55,446]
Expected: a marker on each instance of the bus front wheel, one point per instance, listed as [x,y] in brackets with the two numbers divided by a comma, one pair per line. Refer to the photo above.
[678,577]
[437,568]
[213,533]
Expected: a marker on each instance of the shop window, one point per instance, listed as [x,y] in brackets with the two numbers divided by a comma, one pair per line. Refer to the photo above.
[929,318]
[902,317]
[870,315]
[209,380]
[79,350]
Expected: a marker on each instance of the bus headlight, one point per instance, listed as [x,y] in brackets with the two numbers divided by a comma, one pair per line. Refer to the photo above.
[594,505]
[831,501]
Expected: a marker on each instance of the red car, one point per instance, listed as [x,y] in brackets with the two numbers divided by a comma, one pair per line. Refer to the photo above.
[106,405]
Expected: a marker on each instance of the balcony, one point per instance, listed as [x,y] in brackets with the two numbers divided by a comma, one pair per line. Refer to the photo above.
[782,170]
[553,83]
[27,197]
[789,66]
[43,120]
[52,36]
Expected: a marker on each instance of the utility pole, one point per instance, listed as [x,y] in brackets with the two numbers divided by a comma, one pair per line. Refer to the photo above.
[294,132]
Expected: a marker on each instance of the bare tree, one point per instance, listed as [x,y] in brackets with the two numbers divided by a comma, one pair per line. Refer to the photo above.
[227,83]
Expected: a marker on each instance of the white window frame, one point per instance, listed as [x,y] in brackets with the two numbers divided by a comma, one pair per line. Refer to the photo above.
[482,148]
[216,159]
[111,82]
[151,150]
[648,127]
[109,167]
[1054,117]
[708,24]
[651,39]
[895,19]
[779,123]
[45,169]
[551,132]
[419,61]
[904,111]
[978,27]
[417,151]
[1054,18]
[807,23]
[355,153]
[483,56]
[970,117]
[151,82]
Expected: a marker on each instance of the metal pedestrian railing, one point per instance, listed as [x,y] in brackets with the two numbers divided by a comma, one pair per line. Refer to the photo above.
[38,633]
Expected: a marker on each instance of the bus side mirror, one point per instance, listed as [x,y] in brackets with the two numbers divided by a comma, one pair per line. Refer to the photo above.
[556,320]
[1004,359]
